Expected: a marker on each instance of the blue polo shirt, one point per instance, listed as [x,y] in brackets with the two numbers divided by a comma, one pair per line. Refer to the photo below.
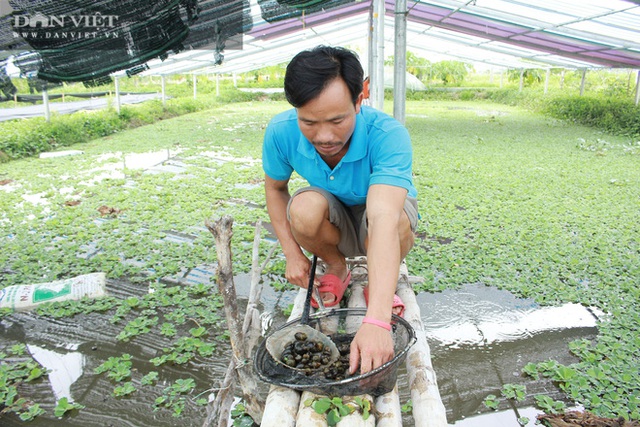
[379,153]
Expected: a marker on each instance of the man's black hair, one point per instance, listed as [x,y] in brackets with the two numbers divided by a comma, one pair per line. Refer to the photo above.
[310,71]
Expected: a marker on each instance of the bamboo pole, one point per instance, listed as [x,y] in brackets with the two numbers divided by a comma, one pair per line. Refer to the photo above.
[355,419]
[307,416]
[388,411]
[428,409]
[282,403]
[222,232]
[281,407]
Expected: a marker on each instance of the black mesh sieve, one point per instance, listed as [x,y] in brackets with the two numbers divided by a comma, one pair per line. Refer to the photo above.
[341,325]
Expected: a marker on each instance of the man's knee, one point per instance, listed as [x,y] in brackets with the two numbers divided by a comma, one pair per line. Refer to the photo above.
[406,234]
[307,210]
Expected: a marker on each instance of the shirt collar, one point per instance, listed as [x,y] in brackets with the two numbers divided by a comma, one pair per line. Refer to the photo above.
[357,148]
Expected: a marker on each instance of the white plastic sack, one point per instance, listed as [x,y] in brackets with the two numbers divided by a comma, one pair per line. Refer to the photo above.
[26,297]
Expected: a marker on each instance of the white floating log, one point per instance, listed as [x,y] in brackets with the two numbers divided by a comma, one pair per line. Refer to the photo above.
[286,408]
[388,409]
[307,416]
[428,409]
[281,407]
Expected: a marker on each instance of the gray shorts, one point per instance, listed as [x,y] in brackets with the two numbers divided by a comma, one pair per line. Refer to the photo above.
[352,220]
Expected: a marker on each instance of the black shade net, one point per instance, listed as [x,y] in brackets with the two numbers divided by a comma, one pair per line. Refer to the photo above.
[82,40]
[277,10]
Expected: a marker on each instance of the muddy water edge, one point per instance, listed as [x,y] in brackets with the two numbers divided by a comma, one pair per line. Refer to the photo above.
[480,339]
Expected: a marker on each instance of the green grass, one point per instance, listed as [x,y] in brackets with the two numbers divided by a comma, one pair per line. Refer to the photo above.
[508,198]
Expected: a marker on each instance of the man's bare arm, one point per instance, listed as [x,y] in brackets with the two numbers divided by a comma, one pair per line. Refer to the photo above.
[388,225]
[277,197]
[389,239]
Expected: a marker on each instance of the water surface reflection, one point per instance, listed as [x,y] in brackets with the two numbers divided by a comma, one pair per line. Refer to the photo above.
[482,337]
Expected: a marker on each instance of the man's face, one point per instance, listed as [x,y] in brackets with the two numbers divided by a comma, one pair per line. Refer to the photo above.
[328,121]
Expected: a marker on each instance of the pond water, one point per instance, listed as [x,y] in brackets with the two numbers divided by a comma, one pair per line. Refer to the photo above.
[480,339]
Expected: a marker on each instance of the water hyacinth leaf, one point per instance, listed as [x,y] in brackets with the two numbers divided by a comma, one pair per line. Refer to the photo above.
[198,332]
[491,401]
[333,417]
[149,378]
[345,410]
[321,405]
[124,389]
[549,405]
[564,373]
[63,406]
[514,391]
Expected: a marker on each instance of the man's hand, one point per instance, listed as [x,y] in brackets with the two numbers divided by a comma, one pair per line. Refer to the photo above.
[371,348]
[298,270]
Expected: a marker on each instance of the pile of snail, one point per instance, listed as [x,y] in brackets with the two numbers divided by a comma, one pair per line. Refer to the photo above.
[313,357]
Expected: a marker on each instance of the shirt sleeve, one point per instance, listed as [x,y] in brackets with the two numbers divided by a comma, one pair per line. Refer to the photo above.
[391,160]
[274,157]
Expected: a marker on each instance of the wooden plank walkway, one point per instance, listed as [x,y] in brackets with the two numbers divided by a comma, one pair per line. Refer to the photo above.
[285,407]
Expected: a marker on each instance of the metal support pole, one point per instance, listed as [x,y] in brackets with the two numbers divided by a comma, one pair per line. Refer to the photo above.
[370,48]
[117,83]
[584,77]
[521,79]
[546,81]
[45,102]
[377,75]
[164,93]
[195,86]
[638,87]
[400,62]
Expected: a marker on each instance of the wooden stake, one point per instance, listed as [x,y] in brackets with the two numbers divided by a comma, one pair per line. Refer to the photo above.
[218,411]
[222,233]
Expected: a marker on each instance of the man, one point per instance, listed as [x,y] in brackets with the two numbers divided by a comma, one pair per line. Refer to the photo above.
[361,199]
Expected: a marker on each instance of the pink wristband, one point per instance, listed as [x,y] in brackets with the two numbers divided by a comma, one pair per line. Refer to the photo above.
[377,322]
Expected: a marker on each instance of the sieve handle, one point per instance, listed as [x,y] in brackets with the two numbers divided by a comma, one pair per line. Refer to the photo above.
[304,320]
